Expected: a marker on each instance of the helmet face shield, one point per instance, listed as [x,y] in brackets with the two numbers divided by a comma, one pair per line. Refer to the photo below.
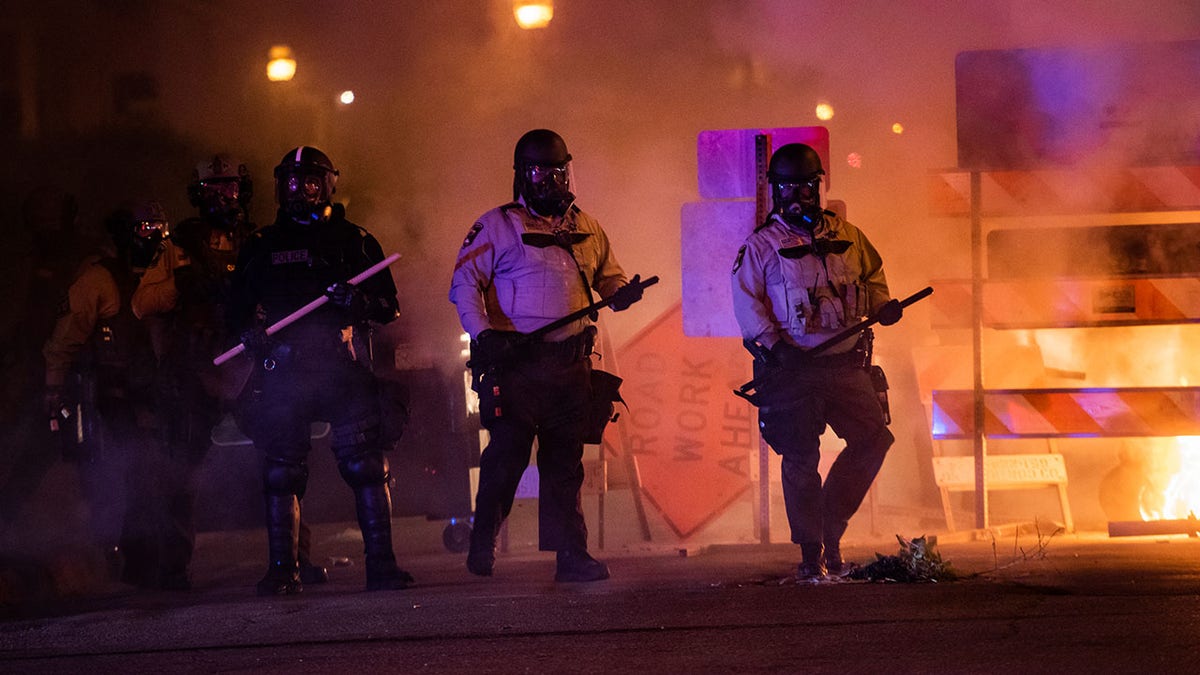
[142,231]
[219,201]
[220,190]
[547,188]
[308,187]
[795,200]
[538,174]
[808,192]
[151,229]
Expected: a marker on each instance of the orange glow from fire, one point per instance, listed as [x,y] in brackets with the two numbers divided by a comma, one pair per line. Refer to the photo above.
[1181,497]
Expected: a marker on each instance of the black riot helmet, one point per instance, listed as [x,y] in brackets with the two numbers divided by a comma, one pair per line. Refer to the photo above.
[795,176]
[305,181]
[220,190]
[542,172]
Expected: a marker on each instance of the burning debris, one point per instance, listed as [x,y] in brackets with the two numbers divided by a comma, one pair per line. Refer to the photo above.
[918,561]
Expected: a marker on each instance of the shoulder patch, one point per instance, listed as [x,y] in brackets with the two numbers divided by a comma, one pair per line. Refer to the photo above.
[475,230]
[737,264]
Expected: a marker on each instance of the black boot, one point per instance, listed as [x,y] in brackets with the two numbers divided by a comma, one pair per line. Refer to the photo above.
[812,566]
[577,565]
[481,557]
[835,565]
[310,572]
[283,525]
[374,505]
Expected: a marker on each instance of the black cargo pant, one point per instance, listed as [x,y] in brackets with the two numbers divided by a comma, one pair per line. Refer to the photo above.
[543,395]
[797,406]
[277,413]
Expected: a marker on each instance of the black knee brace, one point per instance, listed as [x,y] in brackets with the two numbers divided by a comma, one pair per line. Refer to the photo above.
[363,469]
[281,477]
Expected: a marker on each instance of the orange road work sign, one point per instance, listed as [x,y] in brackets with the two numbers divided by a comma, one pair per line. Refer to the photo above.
[692,440]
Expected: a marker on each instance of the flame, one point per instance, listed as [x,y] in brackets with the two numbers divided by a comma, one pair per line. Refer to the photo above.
[1181,496]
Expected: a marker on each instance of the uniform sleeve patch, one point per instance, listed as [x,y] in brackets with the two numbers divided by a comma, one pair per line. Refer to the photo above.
[737,264]
[475,230]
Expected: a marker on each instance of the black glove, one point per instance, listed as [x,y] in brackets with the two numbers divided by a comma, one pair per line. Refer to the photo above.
[890,313]
[257,343]
[350,298]
[789,356]
[493,346]
[627,294]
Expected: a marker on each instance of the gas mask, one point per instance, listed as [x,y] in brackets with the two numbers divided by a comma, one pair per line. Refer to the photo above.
[799,204]
[542,173]
[146,241]
[303,196]
[220,204]
[547,188]
[305,181]
[795,174]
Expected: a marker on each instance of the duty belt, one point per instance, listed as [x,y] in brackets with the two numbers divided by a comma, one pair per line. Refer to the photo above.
[573,348]
[854,357]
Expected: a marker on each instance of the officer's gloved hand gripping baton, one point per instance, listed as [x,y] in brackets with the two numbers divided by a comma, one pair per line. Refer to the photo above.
[310,307]
[748,390]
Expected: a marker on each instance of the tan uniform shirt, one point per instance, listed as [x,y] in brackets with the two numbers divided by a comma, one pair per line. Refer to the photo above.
[784,290]
[92,297]
[503,283]
[156,292]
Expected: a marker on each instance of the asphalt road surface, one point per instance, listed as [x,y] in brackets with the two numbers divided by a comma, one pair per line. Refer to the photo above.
[1025,603]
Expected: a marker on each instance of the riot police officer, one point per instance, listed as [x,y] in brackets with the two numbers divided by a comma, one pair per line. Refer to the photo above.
[802,276]
[99,377]
[184,298]
[318,368]
[524,264]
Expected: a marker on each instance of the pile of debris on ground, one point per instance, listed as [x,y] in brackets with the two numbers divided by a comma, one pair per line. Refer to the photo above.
[918,561]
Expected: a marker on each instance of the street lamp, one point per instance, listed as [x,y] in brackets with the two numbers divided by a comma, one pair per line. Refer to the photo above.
[281,65]
[532,14]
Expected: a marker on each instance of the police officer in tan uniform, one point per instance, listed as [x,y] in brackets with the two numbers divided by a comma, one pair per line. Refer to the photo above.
[523,265]
[802,276]
[99,377]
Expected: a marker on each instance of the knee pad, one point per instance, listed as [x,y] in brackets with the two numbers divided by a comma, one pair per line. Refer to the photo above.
[364,469]
[285,478]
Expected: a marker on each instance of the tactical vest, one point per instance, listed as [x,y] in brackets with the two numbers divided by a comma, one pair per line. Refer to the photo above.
[295,265]
[118,354]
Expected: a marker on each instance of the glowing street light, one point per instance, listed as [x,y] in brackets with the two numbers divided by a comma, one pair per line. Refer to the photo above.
[281,65]
[824,111]
[531,14]
[346,97]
